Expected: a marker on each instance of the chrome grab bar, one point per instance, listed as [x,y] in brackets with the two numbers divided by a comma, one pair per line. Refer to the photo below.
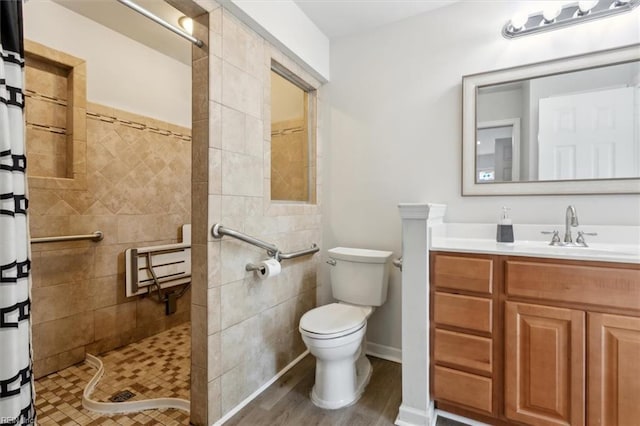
[96,236]
[218,231]
[313,249]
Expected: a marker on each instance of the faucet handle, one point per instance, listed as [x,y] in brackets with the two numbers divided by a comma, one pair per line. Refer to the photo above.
[555,239]
[580,239]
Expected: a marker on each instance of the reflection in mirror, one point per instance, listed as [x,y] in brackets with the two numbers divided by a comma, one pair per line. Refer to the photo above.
[575,125]
[497,145]
[292,136]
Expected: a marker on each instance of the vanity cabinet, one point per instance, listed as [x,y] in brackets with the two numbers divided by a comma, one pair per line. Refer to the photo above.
[531,341]
[462,331]
[544,364]
[614,369]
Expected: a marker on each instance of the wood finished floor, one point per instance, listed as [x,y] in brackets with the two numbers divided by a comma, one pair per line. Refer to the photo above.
[287,402]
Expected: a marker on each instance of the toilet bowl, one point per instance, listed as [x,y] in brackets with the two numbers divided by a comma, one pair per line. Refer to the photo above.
[334,334]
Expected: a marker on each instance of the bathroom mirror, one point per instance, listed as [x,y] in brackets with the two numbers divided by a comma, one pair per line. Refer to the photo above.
[568,126]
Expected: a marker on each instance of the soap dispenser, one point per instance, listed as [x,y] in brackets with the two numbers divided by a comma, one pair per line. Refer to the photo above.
[504,233]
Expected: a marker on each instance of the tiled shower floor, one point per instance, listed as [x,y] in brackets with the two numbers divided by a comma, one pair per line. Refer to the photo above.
[157,366]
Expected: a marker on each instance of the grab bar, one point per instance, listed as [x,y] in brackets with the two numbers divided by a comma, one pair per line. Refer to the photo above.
[313,249]
[218,231]
[96,236]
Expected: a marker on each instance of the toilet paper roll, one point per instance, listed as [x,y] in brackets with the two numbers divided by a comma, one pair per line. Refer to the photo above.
[268,268]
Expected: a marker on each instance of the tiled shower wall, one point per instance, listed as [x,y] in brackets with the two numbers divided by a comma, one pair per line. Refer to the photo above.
[289,160]
[251,325]
[138,194]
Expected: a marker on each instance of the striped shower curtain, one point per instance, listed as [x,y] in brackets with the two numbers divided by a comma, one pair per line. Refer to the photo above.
[16,384]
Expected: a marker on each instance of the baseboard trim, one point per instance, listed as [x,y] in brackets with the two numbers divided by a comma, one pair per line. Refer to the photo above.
[408,416]
[385,352]
[261,389]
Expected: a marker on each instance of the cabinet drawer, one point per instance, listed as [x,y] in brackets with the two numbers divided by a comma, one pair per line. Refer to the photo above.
[462,388]
[472,313]
[464,273]
[463,350]
[594,285]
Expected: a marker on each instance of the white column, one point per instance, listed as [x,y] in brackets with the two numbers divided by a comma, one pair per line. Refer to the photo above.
[416,407]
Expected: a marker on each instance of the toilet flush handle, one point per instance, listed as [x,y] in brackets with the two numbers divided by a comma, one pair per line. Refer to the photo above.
[331,262]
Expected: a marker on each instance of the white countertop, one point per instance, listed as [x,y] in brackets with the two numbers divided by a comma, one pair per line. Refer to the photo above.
[480,238]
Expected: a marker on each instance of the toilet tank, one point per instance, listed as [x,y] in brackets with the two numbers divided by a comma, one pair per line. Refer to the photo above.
[359,276]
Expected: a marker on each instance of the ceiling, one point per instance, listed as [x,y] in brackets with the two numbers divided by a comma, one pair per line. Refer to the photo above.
[335,18]
[340,18]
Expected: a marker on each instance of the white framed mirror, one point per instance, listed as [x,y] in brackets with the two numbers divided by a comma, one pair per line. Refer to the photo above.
[567,126]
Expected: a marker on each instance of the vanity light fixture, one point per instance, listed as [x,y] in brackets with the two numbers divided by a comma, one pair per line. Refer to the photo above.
[556,15]
[186,23]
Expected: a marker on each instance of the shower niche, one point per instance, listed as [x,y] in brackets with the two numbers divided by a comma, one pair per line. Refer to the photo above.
[55,115]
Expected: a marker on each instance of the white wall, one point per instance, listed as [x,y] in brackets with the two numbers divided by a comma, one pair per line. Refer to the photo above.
[121,72]
[395,119]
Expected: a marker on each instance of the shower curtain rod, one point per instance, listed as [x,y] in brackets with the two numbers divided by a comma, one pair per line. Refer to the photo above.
[162,22]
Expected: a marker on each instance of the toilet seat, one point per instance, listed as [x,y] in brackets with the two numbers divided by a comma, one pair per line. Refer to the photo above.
[334,320]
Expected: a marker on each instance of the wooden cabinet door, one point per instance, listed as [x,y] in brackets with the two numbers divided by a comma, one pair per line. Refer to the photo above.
[614,370]
[544,361]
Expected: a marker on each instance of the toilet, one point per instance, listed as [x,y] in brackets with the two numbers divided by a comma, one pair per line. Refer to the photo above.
[335,333]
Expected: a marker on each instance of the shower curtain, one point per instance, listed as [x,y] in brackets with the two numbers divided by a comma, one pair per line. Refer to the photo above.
[16,384]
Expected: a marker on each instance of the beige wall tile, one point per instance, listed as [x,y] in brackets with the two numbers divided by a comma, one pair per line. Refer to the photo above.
[61,335]
[199,97]
[214,400]
[213,310]
[215,125]
[60,301]
[215,171]
[199,274]
[62,266]
[114,319]
[257,320]
[199,396]
[241,174]
[199,336]
[214,363]
[216,87]
[233,130]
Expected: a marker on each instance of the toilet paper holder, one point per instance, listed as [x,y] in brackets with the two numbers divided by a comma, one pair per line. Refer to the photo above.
[255,267]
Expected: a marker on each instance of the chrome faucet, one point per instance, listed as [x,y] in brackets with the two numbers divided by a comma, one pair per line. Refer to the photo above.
[570,219]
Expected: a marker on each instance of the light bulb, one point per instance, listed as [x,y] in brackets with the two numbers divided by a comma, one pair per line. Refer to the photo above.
[586,5]
[518,20]
[186,23]
[551,11]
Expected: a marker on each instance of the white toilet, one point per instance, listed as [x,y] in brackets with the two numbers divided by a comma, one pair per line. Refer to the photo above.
[334,333]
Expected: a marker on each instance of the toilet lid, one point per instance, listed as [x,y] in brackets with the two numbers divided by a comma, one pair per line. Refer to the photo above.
[334,318]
